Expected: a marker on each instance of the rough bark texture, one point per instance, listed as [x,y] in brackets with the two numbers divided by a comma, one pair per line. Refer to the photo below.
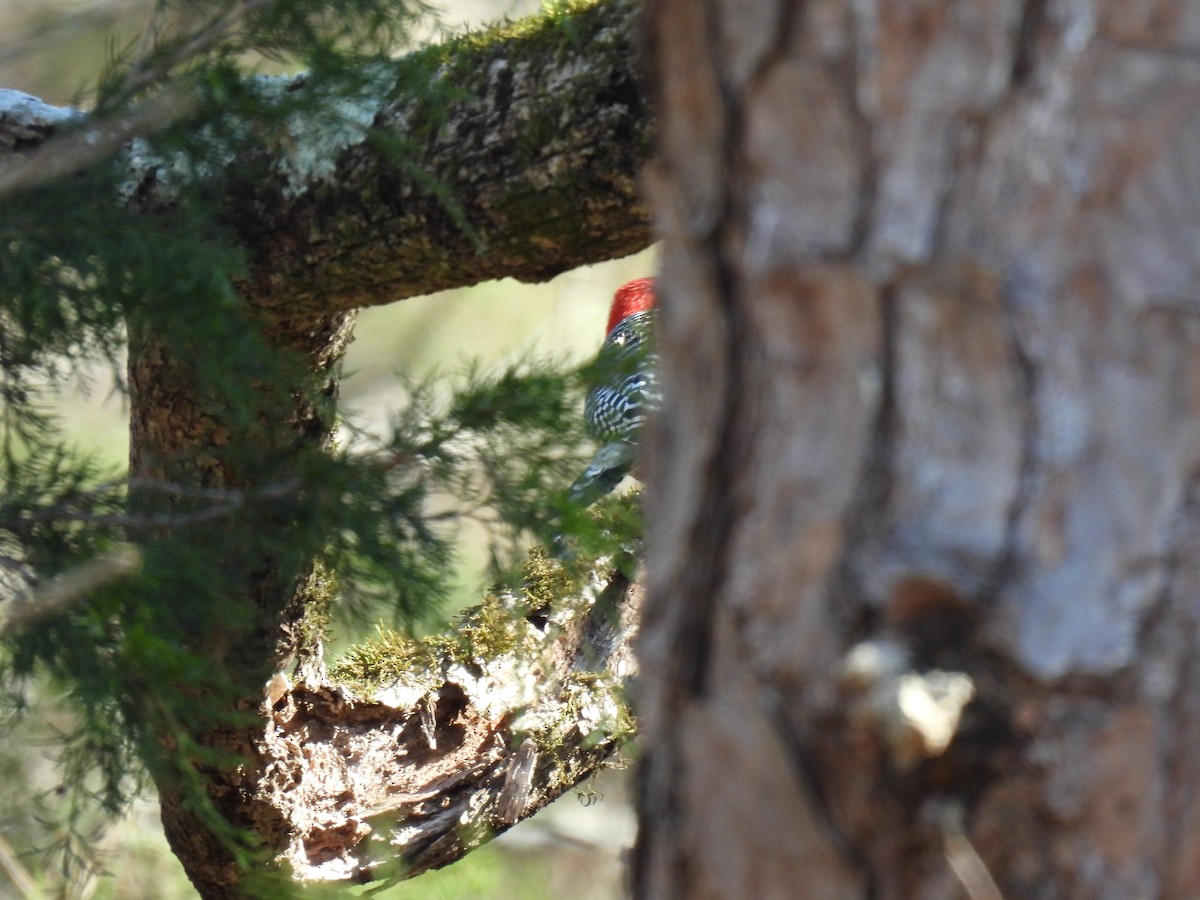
[174,437]
[932,432]
[539,151]
[534,149]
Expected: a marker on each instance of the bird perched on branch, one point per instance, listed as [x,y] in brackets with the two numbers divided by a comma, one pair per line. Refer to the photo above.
[624,391]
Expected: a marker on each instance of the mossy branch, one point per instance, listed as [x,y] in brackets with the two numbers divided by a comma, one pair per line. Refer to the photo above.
[521,161]
[416,752]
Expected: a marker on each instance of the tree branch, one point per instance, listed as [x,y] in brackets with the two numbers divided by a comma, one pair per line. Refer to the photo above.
[528,169]
[354,785]
[57,595]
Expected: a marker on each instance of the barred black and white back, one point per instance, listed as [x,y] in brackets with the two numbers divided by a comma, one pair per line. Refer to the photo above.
[626,390]
[616,409]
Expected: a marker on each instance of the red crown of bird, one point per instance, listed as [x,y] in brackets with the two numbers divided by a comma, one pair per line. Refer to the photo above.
[635,297]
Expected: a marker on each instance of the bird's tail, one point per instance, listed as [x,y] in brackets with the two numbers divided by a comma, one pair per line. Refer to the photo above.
[608,468]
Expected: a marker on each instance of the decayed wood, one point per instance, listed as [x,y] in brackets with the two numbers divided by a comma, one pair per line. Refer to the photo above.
[347,788]
[411,779]
[930,351]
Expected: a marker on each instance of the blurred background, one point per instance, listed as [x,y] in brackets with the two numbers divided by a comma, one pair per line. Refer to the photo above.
[53,49]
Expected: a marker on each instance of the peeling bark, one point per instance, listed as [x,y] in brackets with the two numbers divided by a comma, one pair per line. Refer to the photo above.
[351,788]
[373,788]
[929,349]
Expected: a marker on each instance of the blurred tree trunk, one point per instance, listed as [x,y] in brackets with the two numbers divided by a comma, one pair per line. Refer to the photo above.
[931,354]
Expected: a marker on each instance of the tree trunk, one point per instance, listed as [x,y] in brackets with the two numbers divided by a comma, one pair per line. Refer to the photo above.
[168,421]
[930,447]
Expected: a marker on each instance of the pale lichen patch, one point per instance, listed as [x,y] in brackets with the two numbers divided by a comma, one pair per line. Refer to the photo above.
[30,112]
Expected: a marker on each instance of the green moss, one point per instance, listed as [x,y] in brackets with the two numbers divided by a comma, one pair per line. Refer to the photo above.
[319,597]
[490,630]
[561,26]
[582,691]
[463,63]
[546,581]
[588,687]
[484,632]
[382,659]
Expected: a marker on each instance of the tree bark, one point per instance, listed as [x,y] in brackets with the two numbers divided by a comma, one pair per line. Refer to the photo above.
[537,153]
[525,167]
[923,497]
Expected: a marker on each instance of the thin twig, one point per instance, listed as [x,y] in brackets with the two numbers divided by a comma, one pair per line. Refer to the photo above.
[56,31]
[963,858]
[150,33]
[67,153]
[227,500]
[202,41]
[16,872]
[227,503]
[70,152]
[57,595]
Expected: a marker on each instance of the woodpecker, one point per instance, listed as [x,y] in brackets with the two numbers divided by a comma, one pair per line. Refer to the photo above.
[626,390]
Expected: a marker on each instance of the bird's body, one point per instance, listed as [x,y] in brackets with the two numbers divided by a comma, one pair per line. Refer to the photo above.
[616,407]
[625,390]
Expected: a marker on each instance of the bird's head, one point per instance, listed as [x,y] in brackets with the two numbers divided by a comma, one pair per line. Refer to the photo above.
[633,297]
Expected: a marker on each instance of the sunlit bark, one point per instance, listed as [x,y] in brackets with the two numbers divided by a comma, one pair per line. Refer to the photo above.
[931,361]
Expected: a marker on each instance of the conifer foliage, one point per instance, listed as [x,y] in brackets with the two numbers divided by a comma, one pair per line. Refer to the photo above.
[157,602]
